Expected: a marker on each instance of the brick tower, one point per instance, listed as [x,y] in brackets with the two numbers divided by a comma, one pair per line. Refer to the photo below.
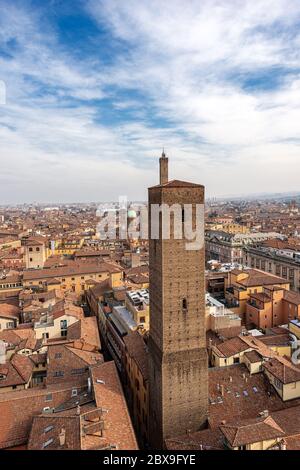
[178,398]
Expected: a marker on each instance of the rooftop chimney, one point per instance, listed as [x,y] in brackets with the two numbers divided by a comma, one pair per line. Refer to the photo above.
[163,168]
[62,437]
[2,352]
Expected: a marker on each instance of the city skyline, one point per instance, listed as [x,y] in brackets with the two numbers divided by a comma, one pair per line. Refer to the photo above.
[95,90]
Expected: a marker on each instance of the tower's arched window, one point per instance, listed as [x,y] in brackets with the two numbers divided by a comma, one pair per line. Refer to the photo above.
[184,304]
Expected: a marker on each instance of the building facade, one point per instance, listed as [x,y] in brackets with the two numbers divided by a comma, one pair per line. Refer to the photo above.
[277,262]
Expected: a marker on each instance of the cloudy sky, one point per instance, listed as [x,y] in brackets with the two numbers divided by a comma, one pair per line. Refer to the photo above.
[91,90]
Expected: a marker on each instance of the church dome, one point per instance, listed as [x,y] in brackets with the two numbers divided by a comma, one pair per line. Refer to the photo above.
[131,214]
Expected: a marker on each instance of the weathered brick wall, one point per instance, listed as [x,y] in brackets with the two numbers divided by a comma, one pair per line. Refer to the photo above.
[177,346]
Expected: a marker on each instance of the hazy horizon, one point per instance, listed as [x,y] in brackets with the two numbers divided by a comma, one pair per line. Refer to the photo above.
[246,197]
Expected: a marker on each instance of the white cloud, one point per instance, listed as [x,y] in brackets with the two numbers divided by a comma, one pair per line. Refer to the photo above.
[186,60]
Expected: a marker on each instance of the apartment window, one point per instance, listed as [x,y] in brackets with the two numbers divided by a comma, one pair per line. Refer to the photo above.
[58,355]
[142,319]
[58,373]
[73,278]
[278,270]
[236,360]
[82,277]
[79,371]
[63,324]
[30,259]
[37,249]
[30,249]
[47,443]
[184,304]
[48,397]
[284,272]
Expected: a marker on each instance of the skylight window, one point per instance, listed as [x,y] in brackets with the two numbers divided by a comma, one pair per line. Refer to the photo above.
[48,428]
[47,443]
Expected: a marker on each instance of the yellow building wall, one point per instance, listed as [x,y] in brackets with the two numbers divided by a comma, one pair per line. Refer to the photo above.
[253,367]
[282,350]
[10,290]
[262,445]
[10,244]
[11,389]
[228,361]
[278,387]
[295,330]
[140,396]
[291,391]
[116,279]
[285,391]
[137,314]
[77,282]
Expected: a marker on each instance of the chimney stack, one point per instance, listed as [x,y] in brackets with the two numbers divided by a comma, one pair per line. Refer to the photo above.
[163,168]
[2,352]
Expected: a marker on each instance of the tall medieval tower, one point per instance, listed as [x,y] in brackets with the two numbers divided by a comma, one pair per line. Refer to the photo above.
[178,398]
